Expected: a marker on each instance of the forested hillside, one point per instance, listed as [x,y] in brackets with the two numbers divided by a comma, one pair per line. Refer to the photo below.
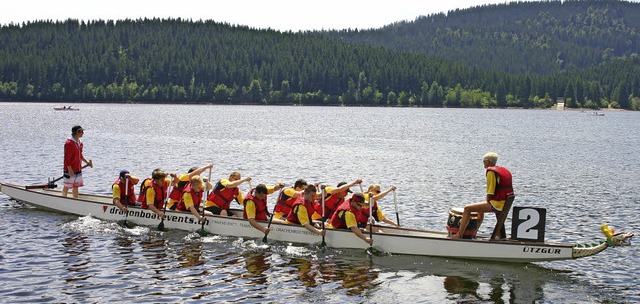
[526,37]
[183,61]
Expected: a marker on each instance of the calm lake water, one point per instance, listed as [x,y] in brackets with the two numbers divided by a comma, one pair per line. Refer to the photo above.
[583,169]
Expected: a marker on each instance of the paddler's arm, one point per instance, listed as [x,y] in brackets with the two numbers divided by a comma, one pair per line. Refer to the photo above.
[303,218]
[357,231]
[188,202]
[200,170]
[116,198]
[314,229]
[237,183]
[250,210]
[382,194]
[346,187]
[351,222]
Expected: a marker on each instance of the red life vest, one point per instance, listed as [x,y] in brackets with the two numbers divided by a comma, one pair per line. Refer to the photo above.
[338,219]
[261,206]
[161,193]
[300,202]
[195,196]
[222,196]
[331,203]
[130,197]
[363,215]
[503,183]
[284,203]
[176,192]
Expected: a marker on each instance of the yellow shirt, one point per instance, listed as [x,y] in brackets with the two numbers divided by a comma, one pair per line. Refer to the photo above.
[116,191]
[188,200]
[303,216]
[492,181]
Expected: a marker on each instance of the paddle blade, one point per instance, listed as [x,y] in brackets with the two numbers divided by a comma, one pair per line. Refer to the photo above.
[371,251]
[203,232]
[125,224]
[161,226]
[264,239]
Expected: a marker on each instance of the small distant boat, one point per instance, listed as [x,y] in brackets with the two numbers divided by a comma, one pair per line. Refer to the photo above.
[65,108]
[596,114]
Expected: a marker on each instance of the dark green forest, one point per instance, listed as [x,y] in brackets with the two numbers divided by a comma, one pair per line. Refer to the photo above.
[509,55]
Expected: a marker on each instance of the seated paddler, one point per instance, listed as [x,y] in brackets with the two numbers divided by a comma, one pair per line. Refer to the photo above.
[153,192]
[374,193]
[123,191]
[225,191]
[347,214]
[192,196]
[180,183]
[255,206]
[333,197]
[302,210]
[287,197]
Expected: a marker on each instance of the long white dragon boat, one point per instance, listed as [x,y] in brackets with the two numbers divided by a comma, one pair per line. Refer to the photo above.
[393,240]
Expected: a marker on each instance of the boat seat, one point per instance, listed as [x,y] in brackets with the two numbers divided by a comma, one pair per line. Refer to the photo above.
[499,232]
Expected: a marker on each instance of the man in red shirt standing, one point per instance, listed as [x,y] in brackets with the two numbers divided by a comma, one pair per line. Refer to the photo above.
[73,159]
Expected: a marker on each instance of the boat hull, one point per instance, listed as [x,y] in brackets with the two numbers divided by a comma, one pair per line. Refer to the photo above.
[393,240]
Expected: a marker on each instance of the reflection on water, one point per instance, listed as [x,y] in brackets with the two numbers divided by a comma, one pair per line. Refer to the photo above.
[256,265]
[190,254]
[462,289]
[77,262]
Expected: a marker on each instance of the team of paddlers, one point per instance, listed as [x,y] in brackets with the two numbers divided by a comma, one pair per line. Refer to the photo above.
[313,206]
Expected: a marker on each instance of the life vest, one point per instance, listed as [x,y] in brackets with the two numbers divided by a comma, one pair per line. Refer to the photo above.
[363,215]
[284,202]
[331,203]
[503,183]
[261,206]
[195,196]
[130,197]
[338,219]
[161,193]
[222,196]
[300,203]
[176,192]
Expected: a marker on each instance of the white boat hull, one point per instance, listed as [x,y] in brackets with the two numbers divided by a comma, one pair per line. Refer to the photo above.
[394,240]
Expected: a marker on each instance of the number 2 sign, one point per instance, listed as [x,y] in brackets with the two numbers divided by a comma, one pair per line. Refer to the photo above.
[528,224]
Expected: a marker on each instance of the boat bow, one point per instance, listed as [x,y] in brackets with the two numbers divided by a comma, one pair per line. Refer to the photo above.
[613,240]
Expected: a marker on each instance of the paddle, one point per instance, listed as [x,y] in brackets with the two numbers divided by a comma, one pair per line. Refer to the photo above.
[203,232]
[395,201]
[126,201]
[264,239]
[323,245]
[169,189]
[52,183]
[370,250]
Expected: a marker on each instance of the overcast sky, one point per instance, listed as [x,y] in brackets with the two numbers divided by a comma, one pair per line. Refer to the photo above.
[276,14]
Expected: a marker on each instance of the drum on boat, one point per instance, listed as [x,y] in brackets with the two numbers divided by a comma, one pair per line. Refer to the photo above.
[453,223]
